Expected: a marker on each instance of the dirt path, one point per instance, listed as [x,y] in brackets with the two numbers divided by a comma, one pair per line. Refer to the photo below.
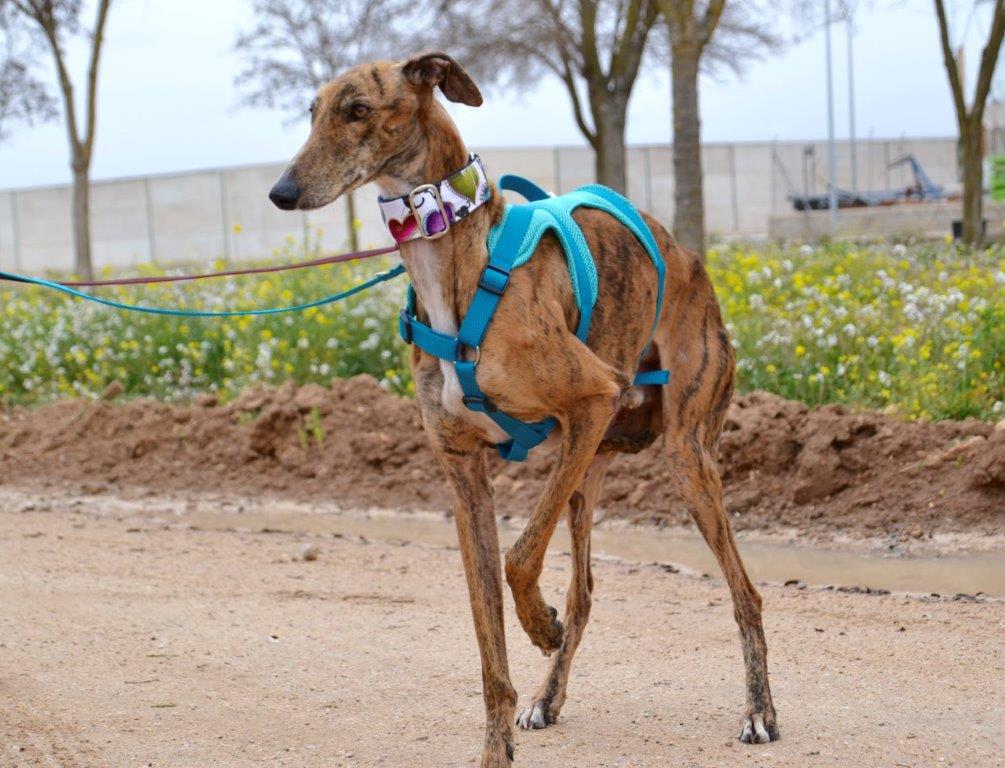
[128,638]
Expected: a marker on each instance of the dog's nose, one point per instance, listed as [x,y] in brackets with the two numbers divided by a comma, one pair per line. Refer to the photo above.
[286,192]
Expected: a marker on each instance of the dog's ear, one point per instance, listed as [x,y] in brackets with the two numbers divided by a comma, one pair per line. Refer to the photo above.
[437,68]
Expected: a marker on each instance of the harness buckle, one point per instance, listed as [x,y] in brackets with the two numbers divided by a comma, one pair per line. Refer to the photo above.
[482,403]
[459,352]
[494,280]
[434,191]
[405,326]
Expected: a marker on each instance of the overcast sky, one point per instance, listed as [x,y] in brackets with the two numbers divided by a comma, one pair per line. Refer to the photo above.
[167,101]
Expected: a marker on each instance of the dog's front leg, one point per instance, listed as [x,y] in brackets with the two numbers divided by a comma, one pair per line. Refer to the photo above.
[581,435]
[479,544]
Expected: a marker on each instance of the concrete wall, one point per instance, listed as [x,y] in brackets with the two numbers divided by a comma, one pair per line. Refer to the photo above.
[205,215]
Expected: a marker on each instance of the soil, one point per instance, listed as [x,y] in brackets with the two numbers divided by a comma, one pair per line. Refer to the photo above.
[824,472]
[131,637]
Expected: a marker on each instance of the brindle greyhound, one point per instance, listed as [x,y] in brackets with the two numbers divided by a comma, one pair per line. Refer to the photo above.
[381,122]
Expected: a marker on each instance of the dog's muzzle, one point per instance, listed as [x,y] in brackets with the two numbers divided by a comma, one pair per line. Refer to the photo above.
[285,193]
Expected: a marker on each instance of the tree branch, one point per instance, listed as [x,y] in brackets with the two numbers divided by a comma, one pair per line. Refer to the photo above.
[577,108]
[633,47]
[989,59]
[592,69]
[627,44]
[711,20]
[92,76]
[65,84]
[950,63]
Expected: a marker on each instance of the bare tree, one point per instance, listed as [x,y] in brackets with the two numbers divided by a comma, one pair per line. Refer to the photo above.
[296,46]
[23,96]
[596,48]
[53,21]
[970,121]
[703,35]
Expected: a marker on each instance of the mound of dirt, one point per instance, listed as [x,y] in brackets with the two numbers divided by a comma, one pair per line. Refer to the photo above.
[784,465]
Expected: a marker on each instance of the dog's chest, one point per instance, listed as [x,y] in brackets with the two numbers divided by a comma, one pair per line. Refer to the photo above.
[424,269]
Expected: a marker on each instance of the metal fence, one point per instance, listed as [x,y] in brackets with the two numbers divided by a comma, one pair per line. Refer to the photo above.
[225,213]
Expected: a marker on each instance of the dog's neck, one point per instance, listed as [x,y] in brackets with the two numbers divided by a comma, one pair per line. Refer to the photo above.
[445,271]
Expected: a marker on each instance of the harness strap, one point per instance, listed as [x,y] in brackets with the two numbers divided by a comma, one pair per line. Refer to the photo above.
[475,325]
[522,186]
[641,231]
[651,378]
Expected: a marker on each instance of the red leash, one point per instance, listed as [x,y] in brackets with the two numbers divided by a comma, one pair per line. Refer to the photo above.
[342,257]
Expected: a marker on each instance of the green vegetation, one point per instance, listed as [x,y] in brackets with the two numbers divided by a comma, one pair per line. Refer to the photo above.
[919,329]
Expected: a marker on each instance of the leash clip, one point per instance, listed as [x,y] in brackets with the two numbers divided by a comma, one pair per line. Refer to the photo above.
[434,192]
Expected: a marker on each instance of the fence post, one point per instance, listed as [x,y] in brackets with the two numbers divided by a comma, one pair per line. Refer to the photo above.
[16,230]
[647,157]
[151,236]
[774,174]
[735,205]
[225,215]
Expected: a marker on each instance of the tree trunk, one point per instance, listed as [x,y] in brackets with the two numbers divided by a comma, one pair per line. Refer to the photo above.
[973,181]
[689,203]
[610,158]
[350,216]
[82,219]
[609,118]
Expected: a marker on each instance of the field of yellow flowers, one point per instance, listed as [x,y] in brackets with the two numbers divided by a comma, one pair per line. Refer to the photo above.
[918,329]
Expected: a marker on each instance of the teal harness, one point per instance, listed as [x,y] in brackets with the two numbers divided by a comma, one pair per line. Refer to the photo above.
[511,243]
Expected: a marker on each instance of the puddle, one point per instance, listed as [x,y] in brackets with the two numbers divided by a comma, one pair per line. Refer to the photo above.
[765,561]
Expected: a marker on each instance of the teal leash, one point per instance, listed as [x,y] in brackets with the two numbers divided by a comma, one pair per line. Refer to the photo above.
[380,277]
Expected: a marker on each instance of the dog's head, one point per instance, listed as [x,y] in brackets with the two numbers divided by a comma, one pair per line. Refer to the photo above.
[373,122]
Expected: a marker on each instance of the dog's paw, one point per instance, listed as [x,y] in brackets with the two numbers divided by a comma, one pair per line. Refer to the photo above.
[536,716]
[548,634]
[759,728]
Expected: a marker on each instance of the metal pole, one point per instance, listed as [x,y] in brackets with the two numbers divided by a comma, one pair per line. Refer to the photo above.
[16,226]
[851,109]
[556,159]
[831,148]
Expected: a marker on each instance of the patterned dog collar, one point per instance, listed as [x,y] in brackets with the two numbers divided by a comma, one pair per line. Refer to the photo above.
[429,210]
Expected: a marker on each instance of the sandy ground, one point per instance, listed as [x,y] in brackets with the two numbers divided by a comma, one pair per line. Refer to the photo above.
[127,639]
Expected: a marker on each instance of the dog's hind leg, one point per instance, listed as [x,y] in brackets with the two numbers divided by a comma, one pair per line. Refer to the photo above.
[700,485]
[581,436]
[693,343]
[547,702]
[479,544]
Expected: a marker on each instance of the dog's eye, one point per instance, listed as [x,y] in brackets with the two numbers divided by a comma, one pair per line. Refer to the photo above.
[359,110]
